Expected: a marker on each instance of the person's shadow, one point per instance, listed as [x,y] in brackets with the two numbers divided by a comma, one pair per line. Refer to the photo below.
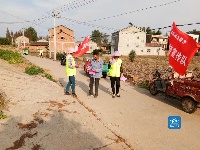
[84,86]
[56,133]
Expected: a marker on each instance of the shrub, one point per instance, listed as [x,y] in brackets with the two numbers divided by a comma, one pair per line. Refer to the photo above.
[11,57]
[33,70]
[58,56]
[48,76]
[2,116]
[132,55]
[4,41]
[143,84]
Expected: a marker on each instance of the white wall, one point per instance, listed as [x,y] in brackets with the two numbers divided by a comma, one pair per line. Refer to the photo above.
[93,46]
[131,41]
[195,37]
[157,51]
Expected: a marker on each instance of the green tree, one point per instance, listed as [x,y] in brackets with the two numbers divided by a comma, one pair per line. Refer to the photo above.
[8,36]
[158,32]
[104,38]
[194,31]
[132,55]
[148,30]
[99,37]
[152,32]
[96,37]
[4,41]
[31,34]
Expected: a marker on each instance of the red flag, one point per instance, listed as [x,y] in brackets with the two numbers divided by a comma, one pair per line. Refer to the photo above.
[182,48]
[84,47]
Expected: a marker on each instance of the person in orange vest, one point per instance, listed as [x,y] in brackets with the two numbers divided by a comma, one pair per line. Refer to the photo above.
[71,72]
[115,72]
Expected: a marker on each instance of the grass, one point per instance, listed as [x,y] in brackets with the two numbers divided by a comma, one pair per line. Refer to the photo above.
[11,57]
[2,116]
[48,76]
[2,105]
[33,70]
[2,100]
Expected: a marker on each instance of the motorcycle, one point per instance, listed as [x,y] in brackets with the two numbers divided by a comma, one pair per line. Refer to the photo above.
[183,88]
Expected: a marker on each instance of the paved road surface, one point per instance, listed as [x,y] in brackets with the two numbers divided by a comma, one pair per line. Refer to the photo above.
[137,118]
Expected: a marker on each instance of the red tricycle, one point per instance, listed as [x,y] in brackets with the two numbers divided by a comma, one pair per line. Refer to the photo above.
[184,88]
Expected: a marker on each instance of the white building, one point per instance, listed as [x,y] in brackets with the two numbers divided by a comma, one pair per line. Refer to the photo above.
[133,38]
[93,46]
[195,37]
[160,39]
[21,40]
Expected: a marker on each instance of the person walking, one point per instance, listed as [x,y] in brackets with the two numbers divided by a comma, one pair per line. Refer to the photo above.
[115,72]
[95,71]
[71,72]
[41,53]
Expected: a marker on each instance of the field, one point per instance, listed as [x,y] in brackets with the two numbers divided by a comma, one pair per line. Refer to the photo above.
[140,71]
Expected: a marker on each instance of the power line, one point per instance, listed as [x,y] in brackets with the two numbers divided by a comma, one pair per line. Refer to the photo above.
[126,13]
[160,28]
[87,24]
[70,6]
[10,22]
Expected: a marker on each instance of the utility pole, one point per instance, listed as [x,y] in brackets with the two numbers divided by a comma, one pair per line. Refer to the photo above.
[55,15]
[49,45]
[23,37]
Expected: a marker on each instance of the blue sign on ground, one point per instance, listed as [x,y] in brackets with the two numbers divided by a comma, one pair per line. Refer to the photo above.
[174,122]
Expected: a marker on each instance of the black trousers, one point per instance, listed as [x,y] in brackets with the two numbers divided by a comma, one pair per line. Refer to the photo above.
[92,80]
[115,81]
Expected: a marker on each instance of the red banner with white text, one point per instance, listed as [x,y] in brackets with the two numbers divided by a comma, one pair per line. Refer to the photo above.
[182,48]
[83,47]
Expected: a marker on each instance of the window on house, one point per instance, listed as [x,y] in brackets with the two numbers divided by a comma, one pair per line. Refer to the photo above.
[62,37]
[142,51]
[138,37]
[90,47]
[148,50]
[61,30]
[127,45]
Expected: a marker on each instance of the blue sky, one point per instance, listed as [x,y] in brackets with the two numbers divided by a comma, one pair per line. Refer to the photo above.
[181,12]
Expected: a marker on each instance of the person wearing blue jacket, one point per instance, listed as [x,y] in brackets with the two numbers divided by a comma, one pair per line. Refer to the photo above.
[95,71]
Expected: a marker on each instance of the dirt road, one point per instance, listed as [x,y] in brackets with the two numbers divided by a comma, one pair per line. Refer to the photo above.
[135,121]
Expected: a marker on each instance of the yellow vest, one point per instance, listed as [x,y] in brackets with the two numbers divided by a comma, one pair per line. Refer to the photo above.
[114,70]
[41,52]
[70,71]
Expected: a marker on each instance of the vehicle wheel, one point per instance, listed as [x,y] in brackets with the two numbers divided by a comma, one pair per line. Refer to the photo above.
[152,89]
[189,105]
[104,75]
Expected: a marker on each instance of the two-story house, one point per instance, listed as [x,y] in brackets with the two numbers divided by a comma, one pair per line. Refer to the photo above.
[133,38]
[21,40]
[64,39]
